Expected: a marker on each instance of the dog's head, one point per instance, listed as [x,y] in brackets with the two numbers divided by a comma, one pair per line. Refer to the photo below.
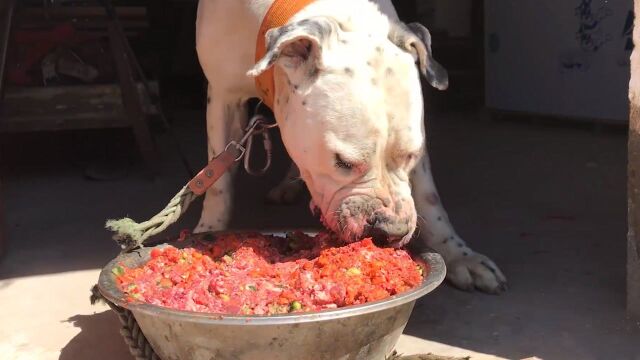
[350,110]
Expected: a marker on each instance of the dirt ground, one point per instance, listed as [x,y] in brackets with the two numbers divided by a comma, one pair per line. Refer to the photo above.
[546,201]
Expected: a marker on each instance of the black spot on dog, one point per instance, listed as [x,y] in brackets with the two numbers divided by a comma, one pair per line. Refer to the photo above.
[432,198]
[464,253]
[460,245]
[348,71]
[295,87]
[445,240]
[343,41]
[369,62]
[304,103]
[318,28]
[374,82]
[379,49]
[439,218]
[389,71]
[483,263]
[313,72]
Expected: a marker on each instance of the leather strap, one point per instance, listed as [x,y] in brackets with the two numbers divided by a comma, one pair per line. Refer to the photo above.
[213,171]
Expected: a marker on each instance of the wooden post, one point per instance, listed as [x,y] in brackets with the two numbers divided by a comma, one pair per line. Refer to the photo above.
[131,100]
[633,187]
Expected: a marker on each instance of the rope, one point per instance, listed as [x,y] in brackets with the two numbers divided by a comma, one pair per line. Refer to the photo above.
[138,344]
[130,234]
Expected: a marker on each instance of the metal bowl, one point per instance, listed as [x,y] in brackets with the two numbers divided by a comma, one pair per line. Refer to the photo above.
[364,332]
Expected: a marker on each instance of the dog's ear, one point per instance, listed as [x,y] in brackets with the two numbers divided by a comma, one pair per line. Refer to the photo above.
[416,39]
[295,45]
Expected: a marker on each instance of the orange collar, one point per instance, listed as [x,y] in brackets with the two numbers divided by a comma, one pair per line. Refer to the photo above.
[280,12]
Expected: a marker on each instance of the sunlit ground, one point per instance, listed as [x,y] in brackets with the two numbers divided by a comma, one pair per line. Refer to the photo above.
[548,204]
[49,317]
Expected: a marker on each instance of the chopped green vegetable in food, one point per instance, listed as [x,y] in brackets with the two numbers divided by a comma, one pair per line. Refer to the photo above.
[295,305]
[118,270]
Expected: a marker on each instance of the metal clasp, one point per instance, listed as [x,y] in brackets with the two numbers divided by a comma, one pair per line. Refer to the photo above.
[258,125]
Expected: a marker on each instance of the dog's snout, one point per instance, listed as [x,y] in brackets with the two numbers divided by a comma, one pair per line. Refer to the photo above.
[384,229]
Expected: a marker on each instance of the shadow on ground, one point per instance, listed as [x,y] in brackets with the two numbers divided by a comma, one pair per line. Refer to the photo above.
[99,338]
[546,202]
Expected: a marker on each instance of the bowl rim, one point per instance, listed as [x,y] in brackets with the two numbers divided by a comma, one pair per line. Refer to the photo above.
[109,289]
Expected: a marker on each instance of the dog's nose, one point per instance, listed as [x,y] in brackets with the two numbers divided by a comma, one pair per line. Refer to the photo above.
[384,230]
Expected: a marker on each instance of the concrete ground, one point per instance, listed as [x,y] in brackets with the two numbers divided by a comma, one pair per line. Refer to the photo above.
[546,202]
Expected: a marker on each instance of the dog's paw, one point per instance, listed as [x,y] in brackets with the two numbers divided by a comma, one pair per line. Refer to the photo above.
[285,193]
[476,271]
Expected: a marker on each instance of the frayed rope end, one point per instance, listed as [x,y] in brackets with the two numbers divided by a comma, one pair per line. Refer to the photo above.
[96,296]
[127,232]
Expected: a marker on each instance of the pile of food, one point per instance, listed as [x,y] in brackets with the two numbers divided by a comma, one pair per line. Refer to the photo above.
[254,274]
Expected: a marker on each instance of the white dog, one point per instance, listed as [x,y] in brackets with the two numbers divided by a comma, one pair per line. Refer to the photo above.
[348,101]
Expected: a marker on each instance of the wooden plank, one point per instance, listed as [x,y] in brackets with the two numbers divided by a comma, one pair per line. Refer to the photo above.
[6,16]
[67,107]
[77,121]
[84,18]
[85,24]
[633,239]
[131,99]
[67,12]
[3,237]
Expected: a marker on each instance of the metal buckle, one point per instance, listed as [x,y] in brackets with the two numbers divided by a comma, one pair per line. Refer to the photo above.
[257,126]
[238,147]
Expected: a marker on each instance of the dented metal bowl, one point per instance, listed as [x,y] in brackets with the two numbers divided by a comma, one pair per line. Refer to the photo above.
[363,332]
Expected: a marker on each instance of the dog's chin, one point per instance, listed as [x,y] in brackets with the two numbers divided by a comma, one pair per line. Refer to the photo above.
[353,231]
[399,244]
[351,237]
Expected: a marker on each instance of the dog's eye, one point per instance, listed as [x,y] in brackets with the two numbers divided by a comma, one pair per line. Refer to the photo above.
[342,164]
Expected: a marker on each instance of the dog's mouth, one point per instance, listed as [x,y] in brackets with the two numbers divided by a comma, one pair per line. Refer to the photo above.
[382,231]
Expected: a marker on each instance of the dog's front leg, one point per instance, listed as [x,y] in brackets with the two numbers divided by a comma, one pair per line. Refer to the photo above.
[289,188]
[226,117]
[466,269]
